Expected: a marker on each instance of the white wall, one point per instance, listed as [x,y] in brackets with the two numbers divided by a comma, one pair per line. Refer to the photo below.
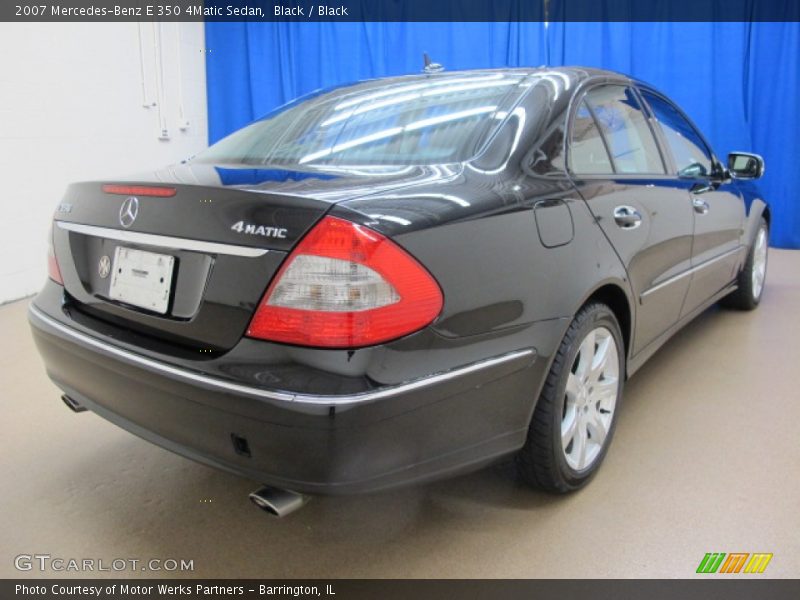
[71,109]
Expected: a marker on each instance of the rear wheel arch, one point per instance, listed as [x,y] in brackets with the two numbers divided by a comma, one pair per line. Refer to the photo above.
[613,296]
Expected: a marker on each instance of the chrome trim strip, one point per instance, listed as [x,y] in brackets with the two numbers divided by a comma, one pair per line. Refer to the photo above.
[688,272]
[163,241]
[228,386]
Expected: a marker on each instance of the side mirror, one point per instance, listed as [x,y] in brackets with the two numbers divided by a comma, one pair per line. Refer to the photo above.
[744,165]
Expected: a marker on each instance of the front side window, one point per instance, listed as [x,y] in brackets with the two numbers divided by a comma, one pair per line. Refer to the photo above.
[692,156]
[626,131]
[587,150]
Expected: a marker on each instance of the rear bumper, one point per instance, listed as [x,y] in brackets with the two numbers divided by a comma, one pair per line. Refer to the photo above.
[331,444]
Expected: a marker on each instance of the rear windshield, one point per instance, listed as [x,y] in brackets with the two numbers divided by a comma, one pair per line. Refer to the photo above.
[420,122]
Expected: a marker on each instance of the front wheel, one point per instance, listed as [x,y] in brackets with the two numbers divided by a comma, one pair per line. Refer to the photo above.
[750,281]
[575,416]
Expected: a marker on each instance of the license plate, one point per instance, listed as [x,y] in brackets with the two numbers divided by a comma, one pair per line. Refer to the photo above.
[142,278]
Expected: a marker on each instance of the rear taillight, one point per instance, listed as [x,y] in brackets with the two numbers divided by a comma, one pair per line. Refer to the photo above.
[53,271]
[139,190]
[346,286]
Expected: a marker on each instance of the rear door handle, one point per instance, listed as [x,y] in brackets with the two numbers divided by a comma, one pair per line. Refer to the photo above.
[700,206]
[627,217]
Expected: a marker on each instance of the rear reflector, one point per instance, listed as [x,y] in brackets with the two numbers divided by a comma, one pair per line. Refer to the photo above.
[53,270]
[346,286]
[139,190]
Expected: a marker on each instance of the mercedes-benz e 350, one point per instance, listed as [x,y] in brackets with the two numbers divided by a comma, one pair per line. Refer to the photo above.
[402,279]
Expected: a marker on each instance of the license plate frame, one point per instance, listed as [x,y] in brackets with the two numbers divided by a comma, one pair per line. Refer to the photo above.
[142,279]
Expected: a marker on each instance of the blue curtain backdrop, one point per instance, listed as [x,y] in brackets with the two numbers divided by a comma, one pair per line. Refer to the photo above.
[740,82]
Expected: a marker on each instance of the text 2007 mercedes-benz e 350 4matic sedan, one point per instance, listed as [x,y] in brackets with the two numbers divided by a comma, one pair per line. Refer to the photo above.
[402,279]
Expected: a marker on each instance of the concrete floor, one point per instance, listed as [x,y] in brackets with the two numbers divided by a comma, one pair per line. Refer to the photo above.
[706,459]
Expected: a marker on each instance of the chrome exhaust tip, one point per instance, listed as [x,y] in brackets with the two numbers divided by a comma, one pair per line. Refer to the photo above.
[73,404]
[277,502]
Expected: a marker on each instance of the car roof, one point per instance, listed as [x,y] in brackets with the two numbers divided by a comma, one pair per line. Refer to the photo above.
[573,74]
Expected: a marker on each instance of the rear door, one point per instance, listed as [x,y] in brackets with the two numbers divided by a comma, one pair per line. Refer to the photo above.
[718,206]
[618,169]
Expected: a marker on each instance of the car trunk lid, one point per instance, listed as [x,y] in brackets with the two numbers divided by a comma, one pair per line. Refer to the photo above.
[204,239]
[208,252]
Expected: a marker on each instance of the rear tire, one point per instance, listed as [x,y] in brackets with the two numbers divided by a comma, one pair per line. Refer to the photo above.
[751,278]
[575,417]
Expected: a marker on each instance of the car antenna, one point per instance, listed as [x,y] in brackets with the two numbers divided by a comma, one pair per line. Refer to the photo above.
[430,67]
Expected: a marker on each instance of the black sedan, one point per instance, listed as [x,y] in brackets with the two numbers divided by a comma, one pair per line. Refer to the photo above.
[401,279]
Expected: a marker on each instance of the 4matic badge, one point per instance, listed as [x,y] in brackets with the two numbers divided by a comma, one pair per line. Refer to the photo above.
[253,229]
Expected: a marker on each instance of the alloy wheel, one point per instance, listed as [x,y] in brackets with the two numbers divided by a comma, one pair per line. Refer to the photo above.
[759,263]
[590,399]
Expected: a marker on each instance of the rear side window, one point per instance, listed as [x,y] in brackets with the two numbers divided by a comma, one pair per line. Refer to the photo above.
[626,130]
[587,150]
[692,156]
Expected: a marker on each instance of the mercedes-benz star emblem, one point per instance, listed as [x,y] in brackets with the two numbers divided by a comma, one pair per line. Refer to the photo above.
[104,267]
[128,211]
